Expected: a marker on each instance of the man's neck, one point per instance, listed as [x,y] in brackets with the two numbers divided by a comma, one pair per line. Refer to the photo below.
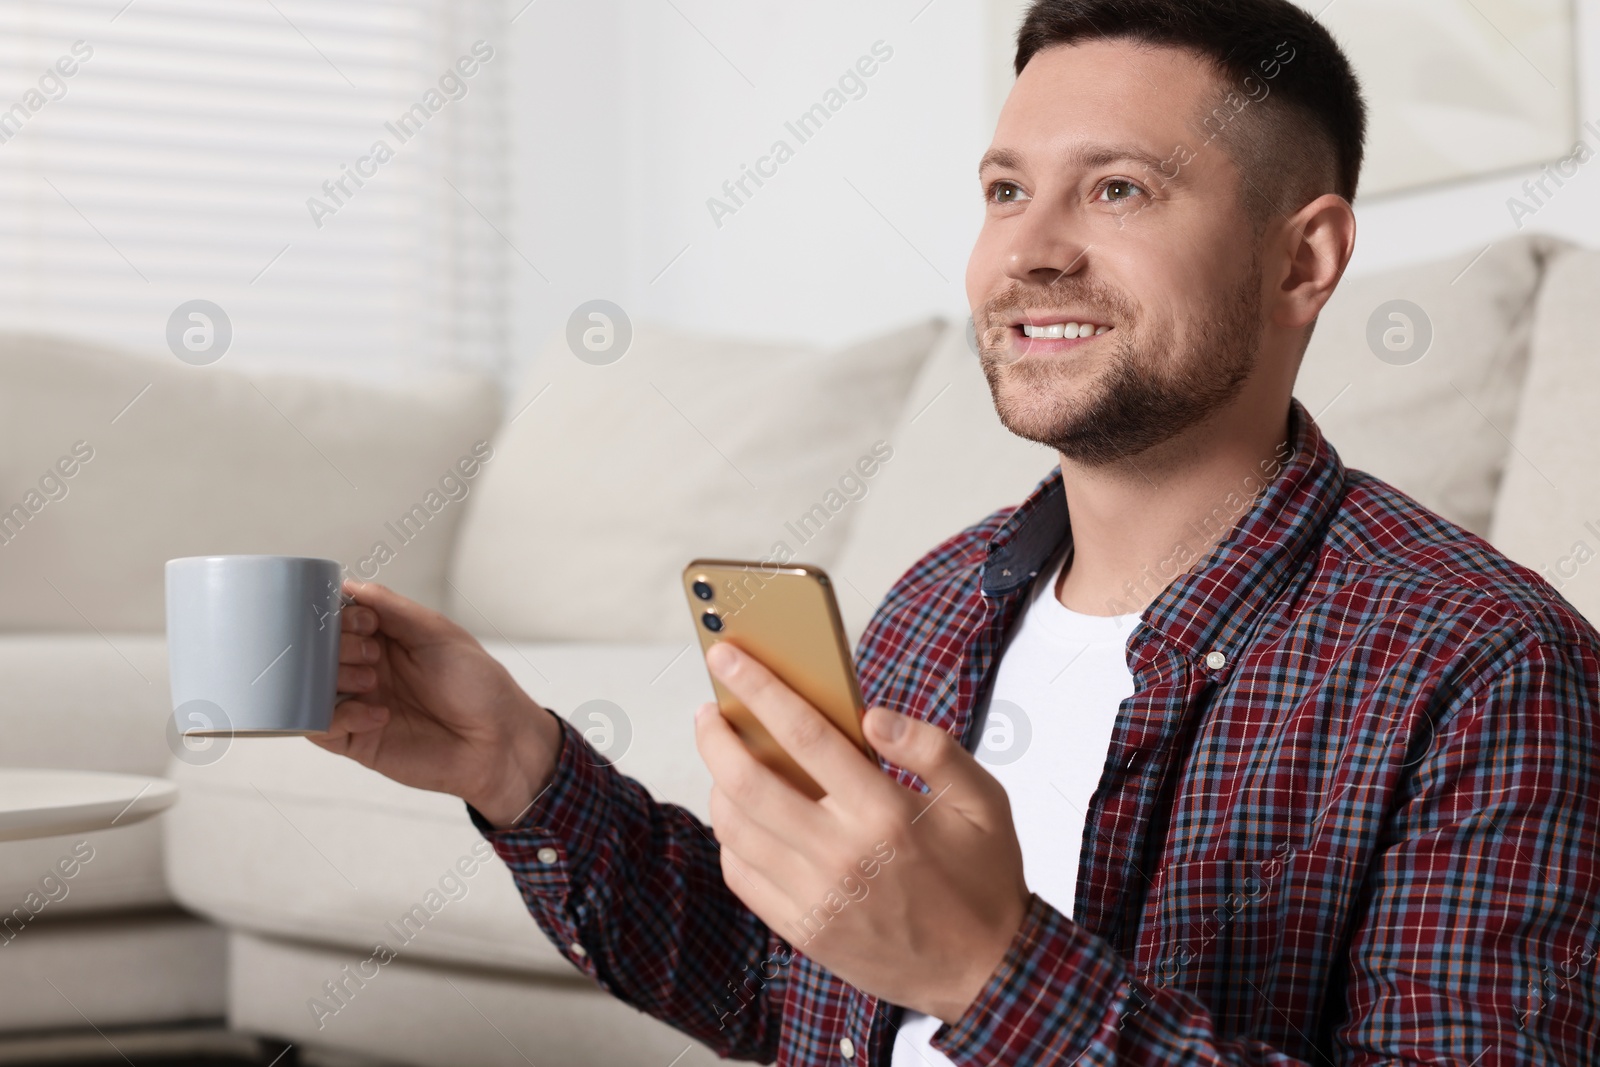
[1138,525]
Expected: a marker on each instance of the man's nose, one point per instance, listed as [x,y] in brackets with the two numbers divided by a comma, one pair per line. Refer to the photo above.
[1045,246]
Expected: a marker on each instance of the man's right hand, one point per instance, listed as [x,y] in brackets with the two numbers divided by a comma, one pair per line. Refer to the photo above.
[433,709]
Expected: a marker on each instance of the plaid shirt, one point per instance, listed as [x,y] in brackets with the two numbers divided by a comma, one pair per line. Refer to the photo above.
[1349,814]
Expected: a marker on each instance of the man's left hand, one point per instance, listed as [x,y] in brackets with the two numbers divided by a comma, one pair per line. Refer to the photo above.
[913,898]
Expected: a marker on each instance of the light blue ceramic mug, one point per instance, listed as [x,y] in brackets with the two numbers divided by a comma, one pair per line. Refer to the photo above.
[253,644]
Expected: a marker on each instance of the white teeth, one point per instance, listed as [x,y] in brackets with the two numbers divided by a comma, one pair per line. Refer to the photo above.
[1063,329]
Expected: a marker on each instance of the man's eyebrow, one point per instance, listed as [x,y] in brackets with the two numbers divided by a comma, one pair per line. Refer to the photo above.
[1086,156]
[1002,158]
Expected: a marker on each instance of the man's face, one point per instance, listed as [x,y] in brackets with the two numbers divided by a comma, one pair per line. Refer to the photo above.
[1104,205]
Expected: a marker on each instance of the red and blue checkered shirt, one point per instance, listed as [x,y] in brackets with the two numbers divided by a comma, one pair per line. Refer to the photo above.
[1349,814]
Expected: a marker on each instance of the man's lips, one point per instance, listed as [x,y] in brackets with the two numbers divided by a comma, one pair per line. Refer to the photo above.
[1015,332]
[1042,333]
[1068,330]
[1065,322]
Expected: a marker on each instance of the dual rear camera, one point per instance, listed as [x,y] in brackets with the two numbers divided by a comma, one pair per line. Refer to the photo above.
[709,619]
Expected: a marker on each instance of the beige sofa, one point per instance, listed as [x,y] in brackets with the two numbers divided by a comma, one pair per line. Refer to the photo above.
[258,901]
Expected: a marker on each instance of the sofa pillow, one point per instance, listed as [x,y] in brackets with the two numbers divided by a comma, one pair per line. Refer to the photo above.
[610,478]
[1436,426]
[954,463]
[114,462]
[1547,516]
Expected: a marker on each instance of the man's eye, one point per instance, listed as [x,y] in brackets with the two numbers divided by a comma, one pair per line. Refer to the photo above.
[1006,193]
[1119,189]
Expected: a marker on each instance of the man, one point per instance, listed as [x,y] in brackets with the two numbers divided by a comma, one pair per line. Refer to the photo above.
[1319,785]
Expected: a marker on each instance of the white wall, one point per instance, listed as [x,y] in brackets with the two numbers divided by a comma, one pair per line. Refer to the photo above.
[629,114]
[620,142]
[1409,227]
[568,160]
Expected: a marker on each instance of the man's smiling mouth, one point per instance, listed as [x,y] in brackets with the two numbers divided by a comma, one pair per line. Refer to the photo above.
[1062,329]
[1044,333]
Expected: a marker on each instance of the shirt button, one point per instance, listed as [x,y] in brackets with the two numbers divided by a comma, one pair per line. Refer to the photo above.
[546,855]
[847,1048]
[1216,660]
[578,950]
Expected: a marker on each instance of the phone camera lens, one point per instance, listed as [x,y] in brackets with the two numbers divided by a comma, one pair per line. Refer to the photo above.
[703,590]
[712,620]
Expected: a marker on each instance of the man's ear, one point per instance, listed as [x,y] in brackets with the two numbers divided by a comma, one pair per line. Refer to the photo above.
[1317,242]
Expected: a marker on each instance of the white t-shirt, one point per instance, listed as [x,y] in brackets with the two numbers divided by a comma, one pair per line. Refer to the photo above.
[1045,735]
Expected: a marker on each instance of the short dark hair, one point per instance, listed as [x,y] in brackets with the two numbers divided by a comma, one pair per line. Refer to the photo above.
[1316,90]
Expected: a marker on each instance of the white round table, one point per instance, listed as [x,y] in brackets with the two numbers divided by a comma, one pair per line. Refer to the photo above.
[42,803]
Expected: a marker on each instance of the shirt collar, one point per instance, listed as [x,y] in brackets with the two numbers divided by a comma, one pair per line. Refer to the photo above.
[1211,607]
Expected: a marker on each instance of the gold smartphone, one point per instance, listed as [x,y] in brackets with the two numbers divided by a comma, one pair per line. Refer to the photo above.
[784,615]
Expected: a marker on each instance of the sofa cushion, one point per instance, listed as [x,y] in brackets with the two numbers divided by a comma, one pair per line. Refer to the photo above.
[1547,516]
[139,969]
[1436,427]
[283,838]
[96,703]
[168,459]
[609,479]
[953,463]
[419,1013]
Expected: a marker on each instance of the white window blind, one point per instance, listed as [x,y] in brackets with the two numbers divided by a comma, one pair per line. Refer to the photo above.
[187,154]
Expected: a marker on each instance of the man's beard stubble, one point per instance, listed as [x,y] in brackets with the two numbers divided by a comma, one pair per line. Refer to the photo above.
[1137,402]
